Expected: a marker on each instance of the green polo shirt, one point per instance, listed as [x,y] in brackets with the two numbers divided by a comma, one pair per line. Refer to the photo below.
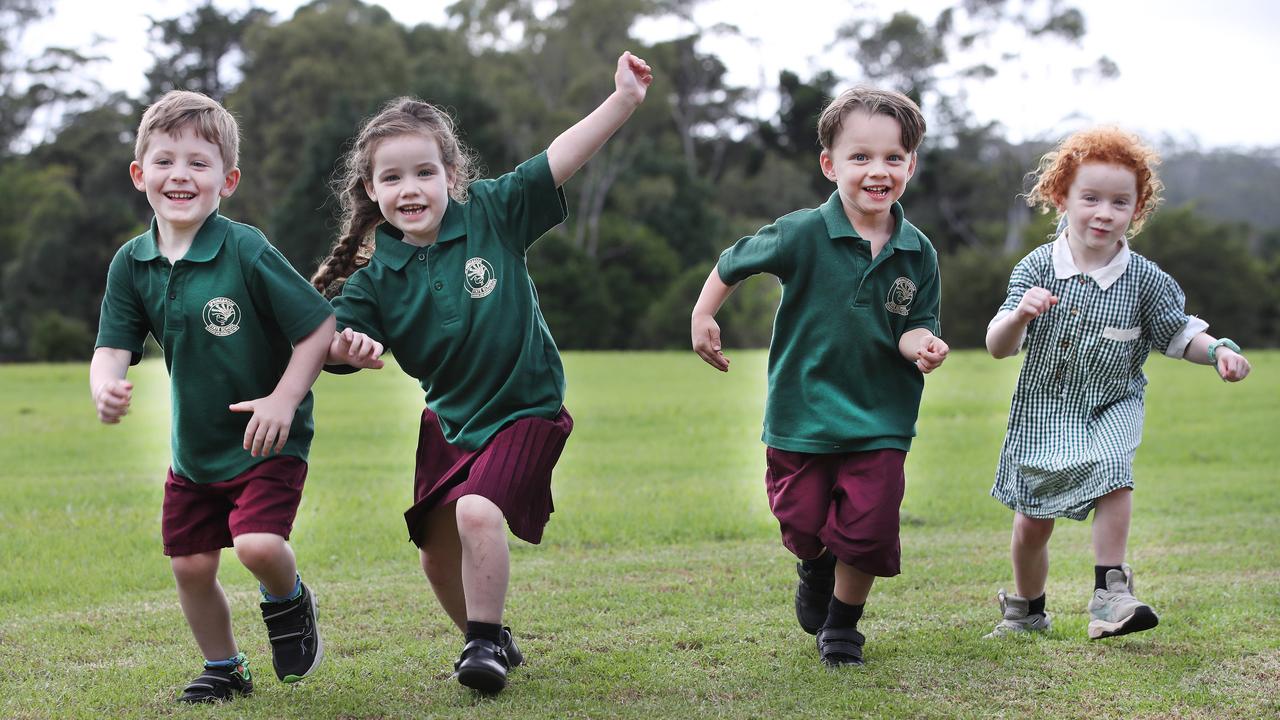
[837,382]
[461,315]
[227,315]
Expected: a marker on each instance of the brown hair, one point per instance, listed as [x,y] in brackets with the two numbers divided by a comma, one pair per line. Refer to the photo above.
[181,109]
[360,215]
[876,102]
[1057,169]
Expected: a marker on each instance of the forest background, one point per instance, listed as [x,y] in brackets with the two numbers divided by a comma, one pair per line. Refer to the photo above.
[691,172]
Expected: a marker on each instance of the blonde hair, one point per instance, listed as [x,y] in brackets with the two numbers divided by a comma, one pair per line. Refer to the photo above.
[1110,145]
[181,109]
[360,215]
[875,102]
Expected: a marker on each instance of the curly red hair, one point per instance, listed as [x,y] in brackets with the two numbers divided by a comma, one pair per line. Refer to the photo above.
[1109,145]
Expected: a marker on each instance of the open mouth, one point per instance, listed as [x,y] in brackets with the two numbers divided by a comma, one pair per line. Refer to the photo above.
[877,192]
[412,210]
[180,195]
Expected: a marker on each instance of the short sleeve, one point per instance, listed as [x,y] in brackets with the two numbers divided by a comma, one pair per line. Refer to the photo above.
[924,311]
[279,290]
[523,204]
[356,307]
[764,252]
[1164,315]
[123,322]
[1022,279]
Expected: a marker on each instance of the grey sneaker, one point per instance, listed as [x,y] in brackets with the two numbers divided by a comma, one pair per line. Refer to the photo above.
[1115,611]
[1016,621]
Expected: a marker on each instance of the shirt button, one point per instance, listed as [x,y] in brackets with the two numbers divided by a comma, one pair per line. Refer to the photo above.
[422,256]
[1082,280]
[1075,311]
[439,286]
[173,296]
[1066,344]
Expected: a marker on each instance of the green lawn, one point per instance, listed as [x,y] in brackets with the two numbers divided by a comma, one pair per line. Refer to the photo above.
[661,589]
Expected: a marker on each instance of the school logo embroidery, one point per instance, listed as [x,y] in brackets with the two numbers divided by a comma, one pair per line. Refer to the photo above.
[221,316]
[900,296]
[480,277]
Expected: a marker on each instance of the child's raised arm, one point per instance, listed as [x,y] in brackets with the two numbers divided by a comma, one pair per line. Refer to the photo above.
[703,326]
[575,146]
[111,392]
[1005,335]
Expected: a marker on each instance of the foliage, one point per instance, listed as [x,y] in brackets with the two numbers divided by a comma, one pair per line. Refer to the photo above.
[689,173]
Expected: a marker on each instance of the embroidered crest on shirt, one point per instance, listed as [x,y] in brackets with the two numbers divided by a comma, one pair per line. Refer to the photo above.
[480,279]
[900,296]
[221,316]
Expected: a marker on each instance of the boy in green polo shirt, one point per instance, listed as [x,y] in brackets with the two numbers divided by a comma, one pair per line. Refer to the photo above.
[854,331]
[244,337]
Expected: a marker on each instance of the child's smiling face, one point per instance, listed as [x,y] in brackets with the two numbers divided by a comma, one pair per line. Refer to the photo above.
[1099,207]
[183,177]
[868,163]
[410,184]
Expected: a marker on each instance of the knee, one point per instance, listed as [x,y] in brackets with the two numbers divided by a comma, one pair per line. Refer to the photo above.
[477,516]
[1032,531]
[258,550]
[195,570]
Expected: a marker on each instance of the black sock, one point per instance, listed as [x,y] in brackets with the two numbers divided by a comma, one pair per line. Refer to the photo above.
[1036,607]
[1100,575]
[823,566]
[842,615]
[483,631]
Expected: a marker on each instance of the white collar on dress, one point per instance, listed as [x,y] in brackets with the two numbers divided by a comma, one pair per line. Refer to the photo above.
[1106,276]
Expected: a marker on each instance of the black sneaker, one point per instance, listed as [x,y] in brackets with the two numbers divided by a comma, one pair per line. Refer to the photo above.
[219,684]
[296,648]
[813,592]
[484,664]
[840,646]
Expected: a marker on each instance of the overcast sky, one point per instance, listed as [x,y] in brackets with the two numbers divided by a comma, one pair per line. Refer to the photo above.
[1191,70]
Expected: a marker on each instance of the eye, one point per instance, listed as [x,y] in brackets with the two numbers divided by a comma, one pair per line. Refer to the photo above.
[1090,198]
[1122,203]
[895,158]
[426,172]
[390,177]
[859,157]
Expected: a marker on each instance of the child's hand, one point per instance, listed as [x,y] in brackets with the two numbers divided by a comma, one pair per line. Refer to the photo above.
[1232,366]
[268,429]
[633,77]
[706,342]
[931,353]
[1035,302]
[112,399]
[355,349]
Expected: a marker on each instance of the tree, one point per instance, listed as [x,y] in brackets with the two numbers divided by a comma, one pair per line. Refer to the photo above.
[193,51]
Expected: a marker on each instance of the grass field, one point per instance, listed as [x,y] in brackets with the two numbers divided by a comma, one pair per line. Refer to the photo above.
[661,588]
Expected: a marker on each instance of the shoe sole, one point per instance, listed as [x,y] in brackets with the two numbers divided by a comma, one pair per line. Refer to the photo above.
[482,680]
[1144,618]
[315,626]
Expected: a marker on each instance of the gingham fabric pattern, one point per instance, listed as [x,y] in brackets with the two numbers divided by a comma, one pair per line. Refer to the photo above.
[1076,416]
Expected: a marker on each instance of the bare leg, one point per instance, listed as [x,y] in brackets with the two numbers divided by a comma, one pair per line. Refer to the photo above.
[270,559]
[486,562]
[1111,526]
[204,604]
[1030,552]
[442,562]
[852,585]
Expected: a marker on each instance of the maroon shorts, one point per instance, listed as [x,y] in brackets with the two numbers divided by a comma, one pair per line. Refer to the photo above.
[846,502]
[513,470]
[200,517]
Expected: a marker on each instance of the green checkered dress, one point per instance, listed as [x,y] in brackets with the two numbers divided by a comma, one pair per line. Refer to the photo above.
[1076,417]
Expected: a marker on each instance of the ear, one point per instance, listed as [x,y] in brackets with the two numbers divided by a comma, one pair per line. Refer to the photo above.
[368,190]
[828,165]
[135,174]
[230,183]
[911,167]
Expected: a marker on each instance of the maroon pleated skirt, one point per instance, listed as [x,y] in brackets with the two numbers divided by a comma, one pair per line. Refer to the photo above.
[512,470]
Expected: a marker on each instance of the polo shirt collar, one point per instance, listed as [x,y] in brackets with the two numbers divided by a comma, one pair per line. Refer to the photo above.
[1064,266]
[205,246]
[838,224]
[391,249]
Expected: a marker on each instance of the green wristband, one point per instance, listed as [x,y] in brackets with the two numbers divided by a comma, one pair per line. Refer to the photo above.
[1220,342]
